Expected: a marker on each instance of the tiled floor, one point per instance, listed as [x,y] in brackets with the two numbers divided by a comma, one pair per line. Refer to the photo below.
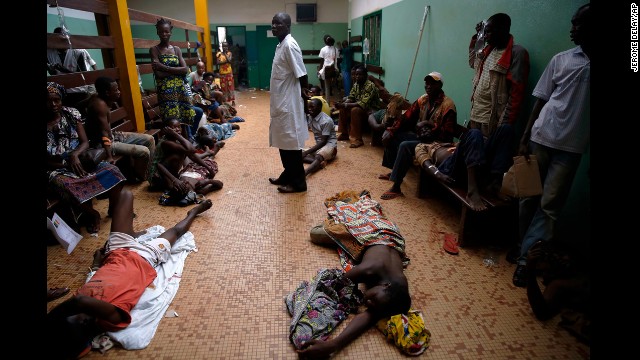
[254,249]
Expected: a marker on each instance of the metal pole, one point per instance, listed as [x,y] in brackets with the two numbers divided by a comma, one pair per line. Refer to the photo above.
[424,18]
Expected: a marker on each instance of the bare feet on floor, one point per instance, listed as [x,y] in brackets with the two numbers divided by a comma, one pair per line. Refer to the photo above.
[475,200]
[200,208]
[93,221]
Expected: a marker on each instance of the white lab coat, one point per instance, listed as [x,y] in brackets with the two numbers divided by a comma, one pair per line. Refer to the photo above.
[288,127]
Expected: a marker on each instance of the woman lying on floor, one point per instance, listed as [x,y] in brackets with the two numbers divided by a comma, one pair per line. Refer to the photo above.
[376,259]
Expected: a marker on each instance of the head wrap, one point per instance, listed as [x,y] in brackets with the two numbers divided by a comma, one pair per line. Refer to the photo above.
[55,88]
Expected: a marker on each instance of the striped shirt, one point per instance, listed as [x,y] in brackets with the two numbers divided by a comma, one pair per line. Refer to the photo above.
[564,121]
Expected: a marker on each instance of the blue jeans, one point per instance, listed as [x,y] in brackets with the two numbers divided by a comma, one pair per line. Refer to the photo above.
[404,160]
[346,81]
[492,156]
[193,128]
[538,214]
[391,150]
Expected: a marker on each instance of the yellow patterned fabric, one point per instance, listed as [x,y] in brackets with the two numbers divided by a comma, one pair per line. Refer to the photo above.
[407,331]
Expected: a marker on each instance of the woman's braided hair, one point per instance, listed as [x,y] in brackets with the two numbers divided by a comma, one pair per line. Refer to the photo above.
[162,21]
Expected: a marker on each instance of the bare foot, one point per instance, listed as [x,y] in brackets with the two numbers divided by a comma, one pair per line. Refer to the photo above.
[475,200]
[219,144]
[200,208]
[93,225]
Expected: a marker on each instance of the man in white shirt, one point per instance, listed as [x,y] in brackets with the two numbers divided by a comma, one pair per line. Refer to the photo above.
[288,86]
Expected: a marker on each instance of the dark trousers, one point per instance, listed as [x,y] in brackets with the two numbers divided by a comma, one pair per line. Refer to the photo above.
[493,156]
[293,173]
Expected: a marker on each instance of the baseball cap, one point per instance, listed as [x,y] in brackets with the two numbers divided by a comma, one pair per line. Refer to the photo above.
[435,76]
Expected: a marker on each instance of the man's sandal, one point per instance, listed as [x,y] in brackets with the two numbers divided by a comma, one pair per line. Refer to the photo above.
[388,195]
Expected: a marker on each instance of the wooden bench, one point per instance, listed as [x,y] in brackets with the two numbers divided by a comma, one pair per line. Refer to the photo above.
[152,117]
[498,224]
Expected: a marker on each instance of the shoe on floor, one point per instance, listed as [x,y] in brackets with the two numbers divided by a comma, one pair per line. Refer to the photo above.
[343,137]
[388,195]
[290,189]
[520,276]
[356,144]
[276,181]
[451,244]
[385,176]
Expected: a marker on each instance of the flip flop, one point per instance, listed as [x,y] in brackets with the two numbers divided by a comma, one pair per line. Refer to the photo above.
[388,195]
[56,293]
[451,244]
[384,176]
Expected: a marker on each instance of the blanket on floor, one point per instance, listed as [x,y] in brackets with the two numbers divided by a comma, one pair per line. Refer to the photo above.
[153,303]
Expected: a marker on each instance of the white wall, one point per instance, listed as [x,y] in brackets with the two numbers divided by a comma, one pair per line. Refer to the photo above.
[364,7]
[242,11]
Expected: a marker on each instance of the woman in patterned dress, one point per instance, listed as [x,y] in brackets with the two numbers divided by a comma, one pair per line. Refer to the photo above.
[223,59]
[169,70]
[68,179]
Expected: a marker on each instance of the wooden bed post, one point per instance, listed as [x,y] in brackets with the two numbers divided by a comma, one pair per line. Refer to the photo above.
[202,19]
[125,58]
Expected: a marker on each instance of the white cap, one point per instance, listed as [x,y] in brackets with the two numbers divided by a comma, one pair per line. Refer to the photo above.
[435,76]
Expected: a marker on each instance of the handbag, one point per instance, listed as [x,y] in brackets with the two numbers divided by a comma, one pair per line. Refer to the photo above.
[91,157]
[523,178]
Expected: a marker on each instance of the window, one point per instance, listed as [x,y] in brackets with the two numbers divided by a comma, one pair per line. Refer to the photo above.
[372,28]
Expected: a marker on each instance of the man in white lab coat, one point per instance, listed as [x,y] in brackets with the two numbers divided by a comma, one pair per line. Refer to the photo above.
[288,87]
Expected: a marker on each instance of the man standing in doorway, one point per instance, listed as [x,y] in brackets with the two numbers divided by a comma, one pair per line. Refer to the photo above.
[288,86]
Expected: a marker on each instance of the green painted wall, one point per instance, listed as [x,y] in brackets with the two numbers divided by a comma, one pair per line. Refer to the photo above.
[542,27]
[308,36]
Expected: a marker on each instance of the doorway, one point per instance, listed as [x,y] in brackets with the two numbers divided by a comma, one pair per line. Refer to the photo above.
[235,37]
[266,49]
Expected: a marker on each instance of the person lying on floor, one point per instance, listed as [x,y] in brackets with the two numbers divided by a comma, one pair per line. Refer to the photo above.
[124,268]
[173,158]
[217,132]
[324,132]
[375,261]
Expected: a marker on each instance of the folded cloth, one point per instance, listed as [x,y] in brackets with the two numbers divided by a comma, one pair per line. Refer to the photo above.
[407,332]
